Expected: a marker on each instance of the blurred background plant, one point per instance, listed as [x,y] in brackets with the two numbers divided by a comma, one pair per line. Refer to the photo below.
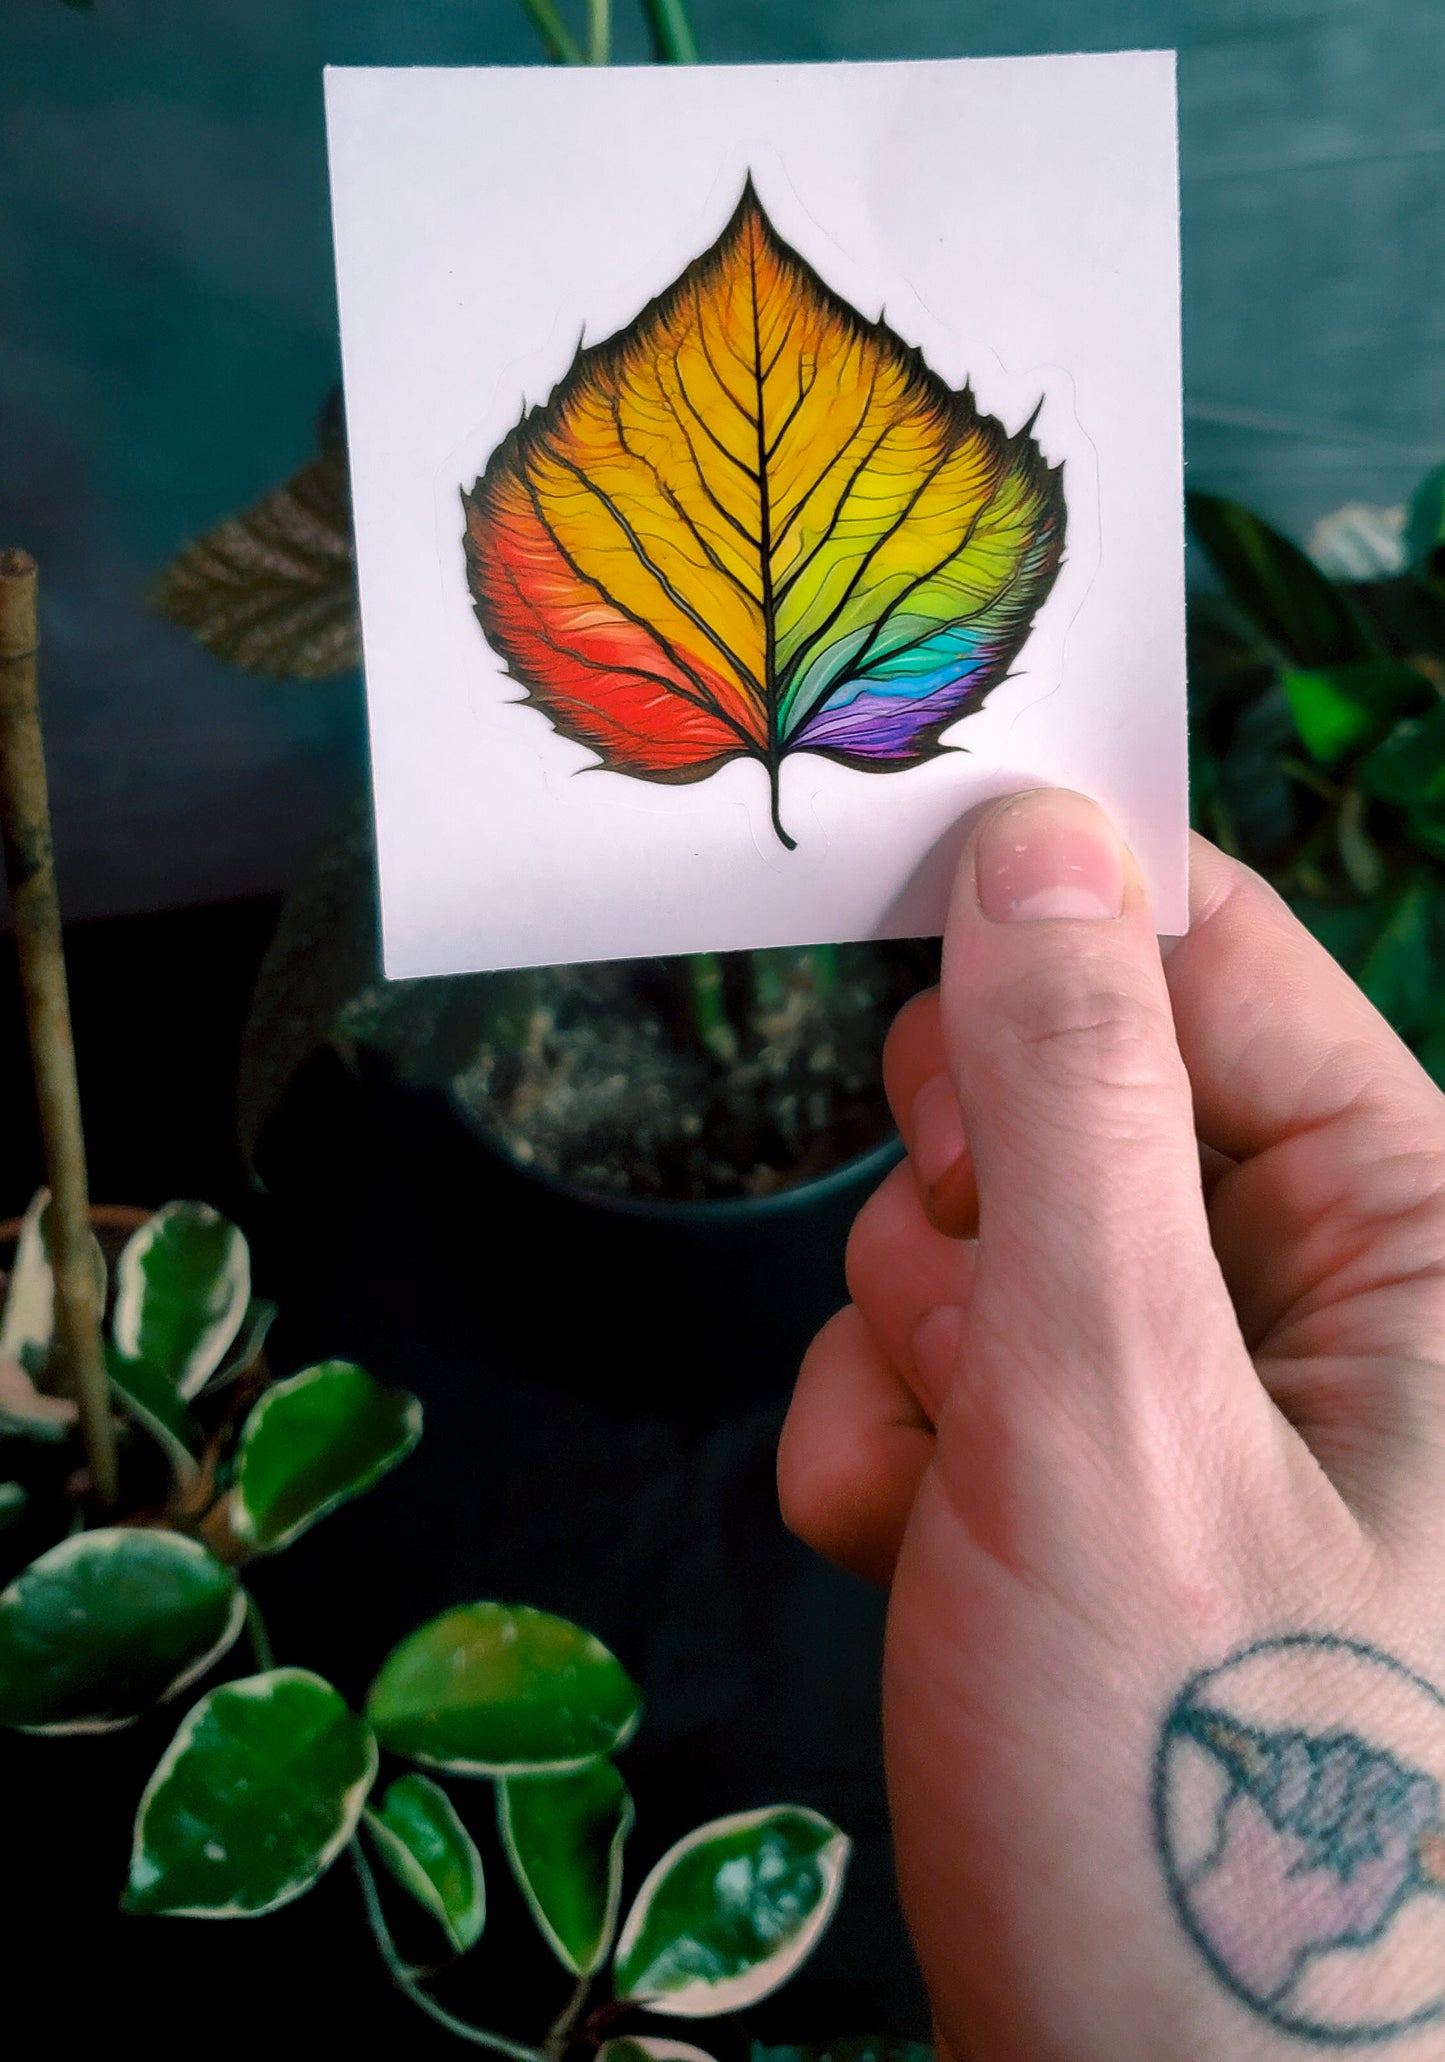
[1317,704]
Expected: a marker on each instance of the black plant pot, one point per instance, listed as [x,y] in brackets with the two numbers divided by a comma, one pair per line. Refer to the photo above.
[682,1305]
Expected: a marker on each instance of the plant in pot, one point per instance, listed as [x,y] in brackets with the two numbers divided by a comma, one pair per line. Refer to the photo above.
[730,1098]
[149,1457]
[1318,737]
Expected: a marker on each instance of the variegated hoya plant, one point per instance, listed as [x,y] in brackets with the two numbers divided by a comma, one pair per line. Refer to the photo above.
[271,1777]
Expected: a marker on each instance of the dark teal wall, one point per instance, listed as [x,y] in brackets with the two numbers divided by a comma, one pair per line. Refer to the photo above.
[167,325]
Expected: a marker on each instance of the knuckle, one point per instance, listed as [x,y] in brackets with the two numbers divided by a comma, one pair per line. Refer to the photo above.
[1086,1028]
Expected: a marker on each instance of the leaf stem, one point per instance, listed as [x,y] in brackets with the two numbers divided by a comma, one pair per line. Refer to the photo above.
[257,1634]
[560,43]
[673,41]
[406,1982]
[599,31]
[40,950]
[560,2031]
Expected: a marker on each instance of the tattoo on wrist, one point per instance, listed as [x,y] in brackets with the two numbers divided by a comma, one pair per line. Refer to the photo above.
[1299,1817]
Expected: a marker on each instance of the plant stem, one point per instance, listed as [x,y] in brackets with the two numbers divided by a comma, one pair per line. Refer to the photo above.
[599,31]
[560,2031]
[673,41]
[257,1634]
[709,1007]
[35,910]
[561,45]
[406,1982]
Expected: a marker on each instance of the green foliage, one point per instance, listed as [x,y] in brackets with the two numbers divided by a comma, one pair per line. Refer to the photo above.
[253,1800]
[730,1911]
[564,1837]
[311,1443]
[1317,746]
[109,1623]
[182,1289]
[502,1689]
[432,1855]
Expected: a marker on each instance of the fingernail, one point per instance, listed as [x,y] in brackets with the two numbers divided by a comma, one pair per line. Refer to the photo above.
[934,1347]
[938,1140]
[1049,854]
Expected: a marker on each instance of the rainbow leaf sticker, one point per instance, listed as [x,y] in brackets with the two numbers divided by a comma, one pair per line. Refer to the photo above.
[754,523]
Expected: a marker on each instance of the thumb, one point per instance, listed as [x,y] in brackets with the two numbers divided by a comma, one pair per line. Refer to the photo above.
[1093,1241]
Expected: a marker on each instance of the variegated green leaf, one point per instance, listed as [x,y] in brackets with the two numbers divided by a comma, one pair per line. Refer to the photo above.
[26,1410]
[311,1443]
[432,1855]
[731,1912]
[245,1349]
[109,1623]
[564,1837]
[253,1800]
[183,1284]
[151,1399]
[27,1323]
[500,1690]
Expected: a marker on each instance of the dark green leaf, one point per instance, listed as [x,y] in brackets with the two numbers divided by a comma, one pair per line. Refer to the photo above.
[13,1502]
[1409,766]
[109,1623]
[1426,832]
[1252,786]
[182,1287]
[433,1856]
[313,1442]
[1425,523]
[1337,708]
[274,589]
[499,1689]
[245,1349]
[151,1399]
[731,1912]
[1401,972]
[253,1800]
[1281,591]
[564,1837]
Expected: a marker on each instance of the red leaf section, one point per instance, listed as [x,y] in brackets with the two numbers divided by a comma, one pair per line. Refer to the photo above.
[611,682]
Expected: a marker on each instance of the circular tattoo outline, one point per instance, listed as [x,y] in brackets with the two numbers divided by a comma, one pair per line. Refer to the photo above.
[1169,1731]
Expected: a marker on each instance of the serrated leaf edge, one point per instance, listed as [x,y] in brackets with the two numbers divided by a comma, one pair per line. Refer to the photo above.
[700,2000]
[243,1519]
[112,1535]
[626,1821]
[354,1798]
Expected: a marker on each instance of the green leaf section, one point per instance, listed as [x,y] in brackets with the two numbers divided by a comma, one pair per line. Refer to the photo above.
[152,1400]
[564,1837]
[109,1623]
[183,1285]
[861,2048]
[1339,709]
[1311,621]
[731,1912]
[1425,522]
[255,1797]
[501,1689]
[312,1442]
[647,2047]
[245,1349]
[432,1855]
[27,1322]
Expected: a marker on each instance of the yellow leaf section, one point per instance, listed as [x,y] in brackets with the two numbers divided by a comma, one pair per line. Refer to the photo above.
[754,471]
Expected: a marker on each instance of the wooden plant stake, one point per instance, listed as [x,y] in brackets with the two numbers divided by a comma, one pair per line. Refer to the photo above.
[35,910]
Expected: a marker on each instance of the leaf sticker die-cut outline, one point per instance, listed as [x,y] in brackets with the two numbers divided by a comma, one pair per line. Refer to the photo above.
[754,523]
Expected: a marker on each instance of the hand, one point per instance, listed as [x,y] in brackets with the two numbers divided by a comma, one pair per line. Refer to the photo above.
[1140,1406]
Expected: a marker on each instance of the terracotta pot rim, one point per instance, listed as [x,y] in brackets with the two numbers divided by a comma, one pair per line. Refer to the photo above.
[103,1217]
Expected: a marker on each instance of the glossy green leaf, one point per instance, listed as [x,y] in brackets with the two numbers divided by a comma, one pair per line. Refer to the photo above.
[731,1912]
[152,1400]
[1281,590]
[109,1623]
[433,1856]
[245,1349]
[253,1800]
[1337,709]
[182,1287]
[564,1837]
[502,1689]
[1408,767]
[1425,522]
[27,1322]
[311,1443]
